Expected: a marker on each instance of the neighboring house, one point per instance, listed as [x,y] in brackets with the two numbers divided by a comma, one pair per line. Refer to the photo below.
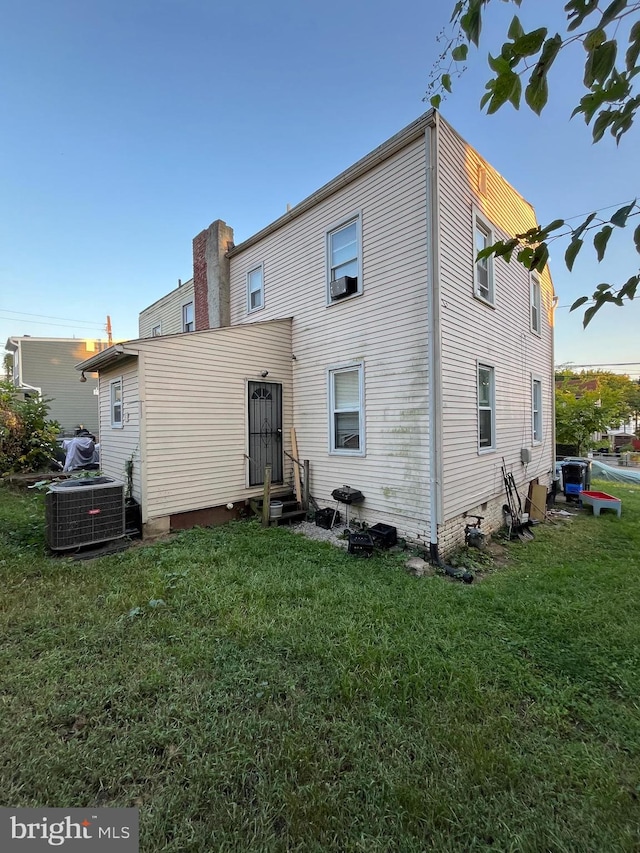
[46,366]
[362,318]
[169,315]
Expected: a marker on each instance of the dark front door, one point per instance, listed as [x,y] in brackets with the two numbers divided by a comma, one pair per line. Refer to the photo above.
[265,431]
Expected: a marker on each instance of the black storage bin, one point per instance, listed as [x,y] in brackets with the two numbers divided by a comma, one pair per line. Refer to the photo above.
[576,476]
[324,518]
[384,535]
[360,544]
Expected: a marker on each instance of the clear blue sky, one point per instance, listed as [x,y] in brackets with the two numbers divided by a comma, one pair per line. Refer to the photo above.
[130,125]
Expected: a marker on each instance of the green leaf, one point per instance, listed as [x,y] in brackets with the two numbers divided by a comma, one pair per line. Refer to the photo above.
[446,82]
[582,228]
[536,93]
[612,11]
[471,21]
[578,10]
[589,314]
[435,101]
[571,253]
[485,99]
[601,239]
[515,29]
[619,218]
[628,290]
[459,54]
[636,238]
[553,226]
[600,62]
[633,51]
[507,88]
[579,302]
[499,64]
[540,258]
[530,43]
[605,118]
[594,39]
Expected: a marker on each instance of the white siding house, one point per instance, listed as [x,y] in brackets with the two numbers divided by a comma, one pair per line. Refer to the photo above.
[169,315]
[411,369]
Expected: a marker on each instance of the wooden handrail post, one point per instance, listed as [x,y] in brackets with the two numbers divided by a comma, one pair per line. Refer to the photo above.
[305,486]
[266,497]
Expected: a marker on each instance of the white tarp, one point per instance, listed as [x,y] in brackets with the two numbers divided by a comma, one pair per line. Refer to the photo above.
[600,471]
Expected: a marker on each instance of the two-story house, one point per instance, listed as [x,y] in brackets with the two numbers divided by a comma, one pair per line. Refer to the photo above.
[362,318]
[46,366]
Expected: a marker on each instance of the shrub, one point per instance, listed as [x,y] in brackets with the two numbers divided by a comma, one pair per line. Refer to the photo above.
[27,437]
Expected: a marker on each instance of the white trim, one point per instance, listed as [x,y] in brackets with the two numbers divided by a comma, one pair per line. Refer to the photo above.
[354,216]
[116,424]
[331,372]
[536,441]
[486,366]
[252,310]
[182,307]
[157,326]
[535,286]
[479,222]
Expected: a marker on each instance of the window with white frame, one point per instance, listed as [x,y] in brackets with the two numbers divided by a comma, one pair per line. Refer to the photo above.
[255,289]
[483,267]
[156,331]
[343,260]
[188,323]
[346,408]
[116,403]
[536,320]
[486,407]
[536,408]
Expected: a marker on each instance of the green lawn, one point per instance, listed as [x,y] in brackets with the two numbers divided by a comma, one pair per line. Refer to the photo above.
[250,690]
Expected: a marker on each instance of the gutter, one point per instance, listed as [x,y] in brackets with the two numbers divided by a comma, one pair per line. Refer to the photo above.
[105,358]
[403,138]
[433,335]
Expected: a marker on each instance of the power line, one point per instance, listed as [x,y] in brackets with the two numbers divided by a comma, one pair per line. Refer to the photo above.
[44,323]
[92,323]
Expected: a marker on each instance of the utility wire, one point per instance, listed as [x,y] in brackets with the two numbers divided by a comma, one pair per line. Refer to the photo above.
[93,323]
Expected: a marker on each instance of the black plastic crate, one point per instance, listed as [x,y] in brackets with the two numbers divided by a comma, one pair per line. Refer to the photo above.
[384,535]
[324,518]
[360,544]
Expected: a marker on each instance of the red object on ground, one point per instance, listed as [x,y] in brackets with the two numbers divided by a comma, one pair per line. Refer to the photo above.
[601,500]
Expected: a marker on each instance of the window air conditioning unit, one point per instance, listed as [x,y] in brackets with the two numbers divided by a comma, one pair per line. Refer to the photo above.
[84,512]
[344,286]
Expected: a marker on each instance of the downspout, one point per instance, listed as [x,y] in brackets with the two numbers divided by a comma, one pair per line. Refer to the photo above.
[433,336]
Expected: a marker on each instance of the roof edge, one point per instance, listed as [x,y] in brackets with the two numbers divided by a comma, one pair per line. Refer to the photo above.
[396,143]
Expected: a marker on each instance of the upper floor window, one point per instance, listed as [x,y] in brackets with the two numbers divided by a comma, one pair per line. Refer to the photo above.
[116,403]
[536,406]
[536,319]
[483,286]
[486,407]
[344,260]
[156,331]
[255,289]
[346,410]
[188,323]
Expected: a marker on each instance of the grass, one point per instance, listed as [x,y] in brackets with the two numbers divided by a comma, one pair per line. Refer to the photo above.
[250,690]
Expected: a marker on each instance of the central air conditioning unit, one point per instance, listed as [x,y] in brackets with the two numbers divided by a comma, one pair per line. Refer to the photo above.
[344,286]
[84,512]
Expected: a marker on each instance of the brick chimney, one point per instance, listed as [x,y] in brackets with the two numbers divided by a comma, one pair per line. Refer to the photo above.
[211,276]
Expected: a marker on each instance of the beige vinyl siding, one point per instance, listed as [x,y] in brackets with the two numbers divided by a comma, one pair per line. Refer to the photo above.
[501,337]
[385,328]
[195,413]
[49,364]
[117,446]
[166,312]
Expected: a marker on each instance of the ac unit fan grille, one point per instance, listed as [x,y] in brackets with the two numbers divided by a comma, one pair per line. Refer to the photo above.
[84,516]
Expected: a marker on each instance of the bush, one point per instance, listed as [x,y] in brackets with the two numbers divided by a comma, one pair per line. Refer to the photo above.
[27,437]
